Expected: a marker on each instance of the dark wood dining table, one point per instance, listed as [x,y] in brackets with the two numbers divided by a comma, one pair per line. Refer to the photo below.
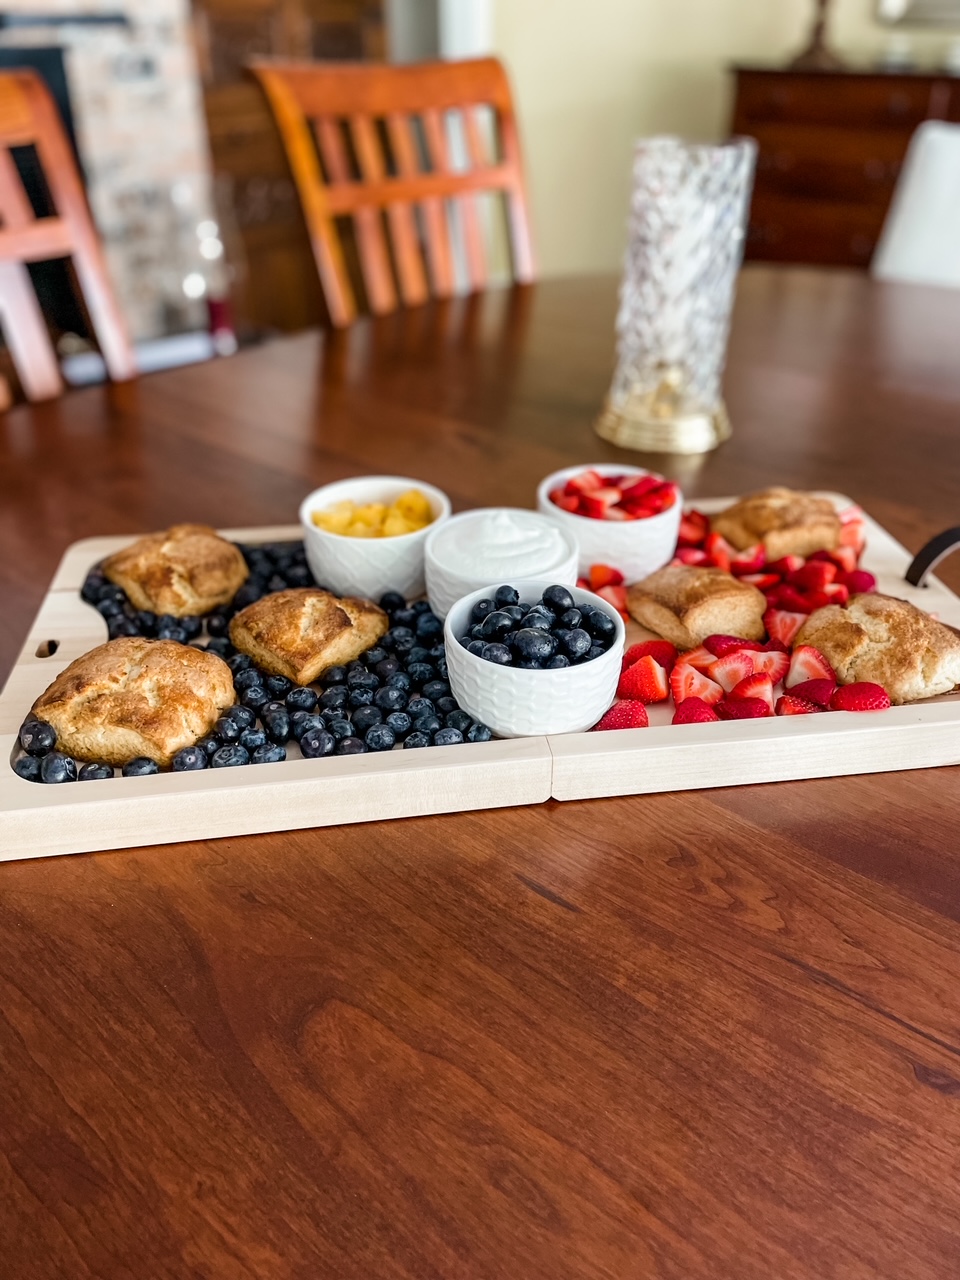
[712,1034]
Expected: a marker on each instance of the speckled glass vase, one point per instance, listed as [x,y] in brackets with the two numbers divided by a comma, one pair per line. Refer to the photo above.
[688,216]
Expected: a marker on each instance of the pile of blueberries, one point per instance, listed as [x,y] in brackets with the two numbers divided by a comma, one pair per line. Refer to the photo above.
[396,692]
[552,633]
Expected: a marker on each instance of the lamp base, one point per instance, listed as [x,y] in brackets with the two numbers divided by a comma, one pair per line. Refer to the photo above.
[683,433]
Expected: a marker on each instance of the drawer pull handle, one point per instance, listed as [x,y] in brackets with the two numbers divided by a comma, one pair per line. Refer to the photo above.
[928,557]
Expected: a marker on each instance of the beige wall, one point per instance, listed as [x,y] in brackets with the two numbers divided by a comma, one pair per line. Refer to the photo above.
[592,75]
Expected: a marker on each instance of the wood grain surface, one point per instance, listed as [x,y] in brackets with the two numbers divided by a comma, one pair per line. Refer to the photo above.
[697,1036]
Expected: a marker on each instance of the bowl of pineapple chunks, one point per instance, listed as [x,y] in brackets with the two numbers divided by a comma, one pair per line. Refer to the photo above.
[365,536]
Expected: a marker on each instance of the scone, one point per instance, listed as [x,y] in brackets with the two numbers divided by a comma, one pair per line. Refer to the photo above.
[686,603]
[186,570]
[787,523]
[134,697]
[302,632]
[889,642]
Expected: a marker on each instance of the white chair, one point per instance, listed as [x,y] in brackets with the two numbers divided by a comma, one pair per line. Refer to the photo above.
[920,243]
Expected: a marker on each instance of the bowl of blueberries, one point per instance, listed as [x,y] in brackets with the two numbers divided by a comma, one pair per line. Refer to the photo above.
[534,657]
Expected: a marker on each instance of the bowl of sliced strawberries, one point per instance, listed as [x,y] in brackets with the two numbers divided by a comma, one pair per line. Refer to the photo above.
[619,515]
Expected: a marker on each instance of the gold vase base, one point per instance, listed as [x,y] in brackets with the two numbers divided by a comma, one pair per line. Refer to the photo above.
[685,433]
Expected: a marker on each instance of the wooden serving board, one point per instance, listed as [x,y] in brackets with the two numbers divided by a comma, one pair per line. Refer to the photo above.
[125,812]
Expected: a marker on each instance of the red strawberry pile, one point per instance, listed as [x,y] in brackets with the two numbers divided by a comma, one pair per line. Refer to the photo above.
[609,583]
[615,497]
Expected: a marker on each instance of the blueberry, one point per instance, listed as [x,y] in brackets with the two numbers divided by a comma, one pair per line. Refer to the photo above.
[535,646]
[37,737]
[218,624]
[250,592]
[476,647]
[447,738]
[556,662]
[599,624]
[436,689]
[277,725]
[391,601]
[140,767]
[429,626]
[426,724]
[172,633]
[404,618]
[418,706]
[247,678]
[301,698]
[447,704]
[481,609]
[221,646]
[230,756]
[476,632]
[374,656]
[92,585]
[536,619]
[254,697]
[575,643]
[458,720]
[438,650]
[380,737]
[363,679]
[399,680]
[276,582]
[350,747]
[244,717]
[250,739]
[416,739]
[479,733]
[529,664]
[399,722]
[595,651]
[28,768]
[495,625]
[117,627]
[110,591]
[334,675]
[209,745]
[514,612]
[146,621]
[558,599]
[317,743]
[421,606]
[227,729]
[334,699]
[269,753]
[299,575]
[365,718]
[360,698]
[339,729]
[417,654]
[192,626]
[190,758]
[240,662]
[420,672]
[278,686]
[506,595]
[387,667]
[390,699]
[442,670]
[302,722]
[56,767]
[399,639]
[498,653]
[570,619]
[109,608]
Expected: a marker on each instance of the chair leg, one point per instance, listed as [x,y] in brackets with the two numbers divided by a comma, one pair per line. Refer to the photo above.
[27,335]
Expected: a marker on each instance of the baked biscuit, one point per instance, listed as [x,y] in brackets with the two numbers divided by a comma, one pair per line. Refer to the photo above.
[787,523]
[686,603]
[302,632]
[886,641]
[135,697]
[186,570]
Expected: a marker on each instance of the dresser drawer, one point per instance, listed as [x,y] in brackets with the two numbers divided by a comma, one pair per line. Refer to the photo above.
[828,233]
[812,163]
[868,102]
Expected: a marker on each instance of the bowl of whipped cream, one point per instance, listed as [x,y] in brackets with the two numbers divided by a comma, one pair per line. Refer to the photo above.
[495,544]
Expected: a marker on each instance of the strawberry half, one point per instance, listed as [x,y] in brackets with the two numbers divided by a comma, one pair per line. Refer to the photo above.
[845,558]
[598,502]
[783,626]
[584,482]
[836,593]
[731,669]
[861,696]
[750,561]
[567,501]
[794,600]
[743,709]
[694,527]
[624,715]
[687,682]
[808,663]
[786,565]
[814,575]
[719,550]
[692,555]
[762,581]
[617,596]
[694,711]
[772,663]
[604,575]
[790,705]
[755,686]
[818,691]
[701,658]
[720,646]
[858,581]
[646,681]
[661,651]
[637,486]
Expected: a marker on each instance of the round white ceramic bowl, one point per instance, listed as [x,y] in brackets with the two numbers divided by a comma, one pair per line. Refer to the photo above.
[635,547]
[447,583]
[369,566]
[516,703]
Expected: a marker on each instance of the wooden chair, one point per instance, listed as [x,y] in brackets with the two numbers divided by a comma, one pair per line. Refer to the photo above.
[28,117]
[357,136]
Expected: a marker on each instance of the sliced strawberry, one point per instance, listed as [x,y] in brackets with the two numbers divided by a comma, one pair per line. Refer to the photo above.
[687,682]
[604,575]
[845,558]
[820,599]
[755,686]
[791,705]
[786,565]
[836,592]
[731,669]
[776,646]
[793,601]
[853,534]
[583,584]
[783,626]
[598,502]
[584,482]
[637,486]
[618,513]
[719,550]
[818,691]
[661,651]
[762,581]
[568,501]
[750,561]
[646,681]
[857,581]
[772,663]
[694,527]
[743,709]
[625,715]
[617,596]
[720,646]
[814,575]
[861,696]
[701,658]
[808,663]
[694,711]
[692,555]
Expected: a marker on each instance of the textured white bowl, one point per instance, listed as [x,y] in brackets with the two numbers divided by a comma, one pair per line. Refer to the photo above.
[446,585]
[516,703]
[635,547]
[369,566]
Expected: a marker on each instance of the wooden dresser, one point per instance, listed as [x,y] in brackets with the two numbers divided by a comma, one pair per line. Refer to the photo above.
[831,147]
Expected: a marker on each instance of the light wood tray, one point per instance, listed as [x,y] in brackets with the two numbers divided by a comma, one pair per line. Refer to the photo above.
[126,812]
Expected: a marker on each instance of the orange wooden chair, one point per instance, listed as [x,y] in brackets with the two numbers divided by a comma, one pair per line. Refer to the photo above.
[370,141]
[28,117]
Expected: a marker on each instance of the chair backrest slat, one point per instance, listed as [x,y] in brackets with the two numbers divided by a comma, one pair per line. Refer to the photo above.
[413,172]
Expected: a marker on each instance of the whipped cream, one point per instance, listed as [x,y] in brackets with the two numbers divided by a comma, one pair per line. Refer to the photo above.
[500,544]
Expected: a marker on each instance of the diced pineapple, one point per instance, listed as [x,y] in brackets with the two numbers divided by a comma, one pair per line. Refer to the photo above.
[373,514]
[335,519]
[409,513]
[396,525]
[415,506]
[360,530]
